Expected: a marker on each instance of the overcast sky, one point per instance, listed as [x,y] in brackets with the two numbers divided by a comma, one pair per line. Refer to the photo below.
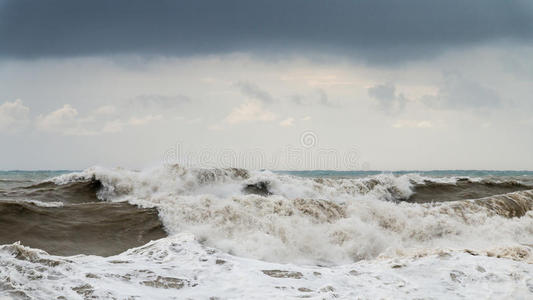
[381,85]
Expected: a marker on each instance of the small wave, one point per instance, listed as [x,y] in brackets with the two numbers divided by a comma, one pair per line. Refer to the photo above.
[463,188]
[15,181]
[84,191]
[510,205]
[45,204]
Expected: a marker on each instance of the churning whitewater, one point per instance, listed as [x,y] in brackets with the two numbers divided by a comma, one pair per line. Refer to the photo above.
[180,232]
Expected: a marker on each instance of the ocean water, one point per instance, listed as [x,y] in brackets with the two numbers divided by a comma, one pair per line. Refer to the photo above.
[431,173]
[175,233]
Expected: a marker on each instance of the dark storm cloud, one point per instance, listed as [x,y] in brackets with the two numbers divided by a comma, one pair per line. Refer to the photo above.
[377,30]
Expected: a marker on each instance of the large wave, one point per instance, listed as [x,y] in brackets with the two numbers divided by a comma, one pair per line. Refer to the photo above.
[326,221]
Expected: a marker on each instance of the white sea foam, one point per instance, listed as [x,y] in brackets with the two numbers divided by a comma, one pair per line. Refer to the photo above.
[179,267]
[45,204]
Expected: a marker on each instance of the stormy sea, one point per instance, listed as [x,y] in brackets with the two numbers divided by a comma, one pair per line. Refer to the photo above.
[171,232]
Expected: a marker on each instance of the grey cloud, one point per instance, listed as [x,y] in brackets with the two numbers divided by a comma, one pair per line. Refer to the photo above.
[157,101]
[387,98]
[298,100]
[458,92]
[253,91]
[379,31]
[323,99]
[320,98]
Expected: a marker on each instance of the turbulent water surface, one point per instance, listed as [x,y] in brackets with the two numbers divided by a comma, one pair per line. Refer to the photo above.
[171,232]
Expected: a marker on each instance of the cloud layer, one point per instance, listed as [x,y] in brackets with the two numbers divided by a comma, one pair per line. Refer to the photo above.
[106,119]
[378,30]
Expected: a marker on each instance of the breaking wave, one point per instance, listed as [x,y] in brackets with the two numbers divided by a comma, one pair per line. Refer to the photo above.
[325,221]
